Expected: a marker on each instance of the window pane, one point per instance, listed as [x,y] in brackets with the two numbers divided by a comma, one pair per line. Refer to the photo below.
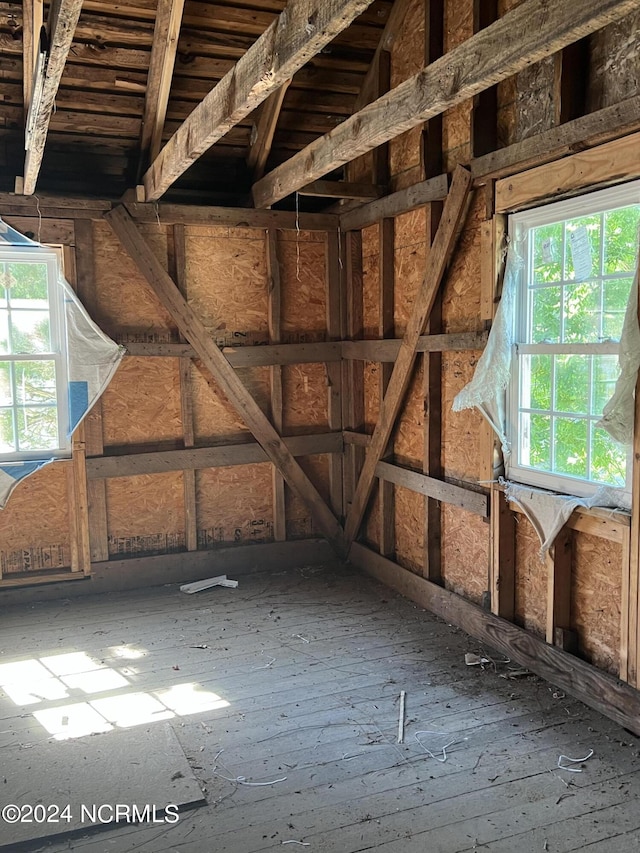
[621,239]
[4,282]
[6,392]
[605,373]
[536,382]
[582,313]
[35,382]
[616,296]
[588,262]
[37,428]
[608,458]
[4,331]
[547,253]
[7,440]
[28,282]
[572,384]
[30,331]
[535,449]
[570,443]
[545,327]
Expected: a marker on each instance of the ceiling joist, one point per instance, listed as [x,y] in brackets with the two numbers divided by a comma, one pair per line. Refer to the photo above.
[32,20]
[299,33]
[61,25]
[532,31]
[161,63]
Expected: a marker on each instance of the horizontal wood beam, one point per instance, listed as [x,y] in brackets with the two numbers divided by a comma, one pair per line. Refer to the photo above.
[61,25]
[343,189]
[532,31]
[595,688]
[609,163]
[195,458]
[587,131]
[249,356]
[300,32]
[225,377]
[474,502]
[387,350]
[434,189]
[359,439]
[32,20]
[240,217]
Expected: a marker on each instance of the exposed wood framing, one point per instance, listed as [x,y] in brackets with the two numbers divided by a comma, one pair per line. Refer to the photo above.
[630,615]
[443,244]
[32,20]
[93,438]
[177,265]
[353,371]
[388,350]
[224,375]
[343,189]
[264,131]
[432,451]
[472,501]
[299,33]
[434,189]
[239,217]
[274,319]
[432,141]
[526,34]
[609,163]
[163,55]
[220,456]
[61,25]
[334,370]
[558,562]
[484,128]
[386,329]
[595,688]
[502,559]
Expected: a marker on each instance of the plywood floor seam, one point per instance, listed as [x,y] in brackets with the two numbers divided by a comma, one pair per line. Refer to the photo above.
[308,667]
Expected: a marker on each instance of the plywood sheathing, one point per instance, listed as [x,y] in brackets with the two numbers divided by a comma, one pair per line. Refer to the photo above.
[407,58]
[234,505]
[142,403]
[465,552]
[596,596]
[303,282]
[34,525]
[145,514]
[531,579]
[614,70]
[124,305]
[409,527]
[300,525]
[456,122]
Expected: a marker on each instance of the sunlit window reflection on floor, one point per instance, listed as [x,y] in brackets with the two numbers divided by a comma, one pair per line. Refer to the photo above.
[111,700]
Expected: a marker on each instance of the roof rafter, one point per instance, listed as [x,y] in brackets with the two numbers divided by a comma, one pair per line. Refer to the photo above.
[528,33]
[161,63]
[299,33]
[61,25]
[265,129]
[32,20]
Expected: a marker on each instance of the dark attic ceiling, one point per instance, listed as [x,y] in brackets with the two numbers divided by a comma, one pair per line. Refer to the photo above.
[95,136]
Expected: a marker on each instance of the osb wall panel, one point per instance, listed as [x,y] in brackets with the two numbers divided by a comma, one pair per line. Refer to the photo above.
[371,294]
[371,394]
[305,395]
[34,525]
[226,283]
[214,418]
[300,525]
[303,284]
[614,72]
[142,402]
[234,505]
[124,305]
[596,597]
[145,514]
[410,258]
[409,433]
[461,288]
[371,522]
[407,58]
[460,430]
[456,122]
[465,552]
[409,529]
[531,579]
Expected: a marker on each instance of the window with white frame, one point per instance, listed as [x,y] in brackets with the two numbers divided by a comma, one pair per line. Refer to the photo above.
[580,257]
[34,407]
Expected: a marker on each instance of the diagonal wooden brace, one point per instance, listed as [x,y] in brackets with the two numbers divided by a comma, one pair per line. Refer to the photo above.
[450,224]
[225,376]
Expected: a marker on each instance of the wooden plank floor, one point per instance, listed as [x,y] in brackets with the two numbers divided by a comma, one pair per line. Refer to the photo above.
[311,664]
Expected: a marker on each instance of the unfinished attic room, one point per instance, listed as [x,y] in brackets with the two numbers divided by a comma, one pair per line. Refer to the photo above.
[319,426]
